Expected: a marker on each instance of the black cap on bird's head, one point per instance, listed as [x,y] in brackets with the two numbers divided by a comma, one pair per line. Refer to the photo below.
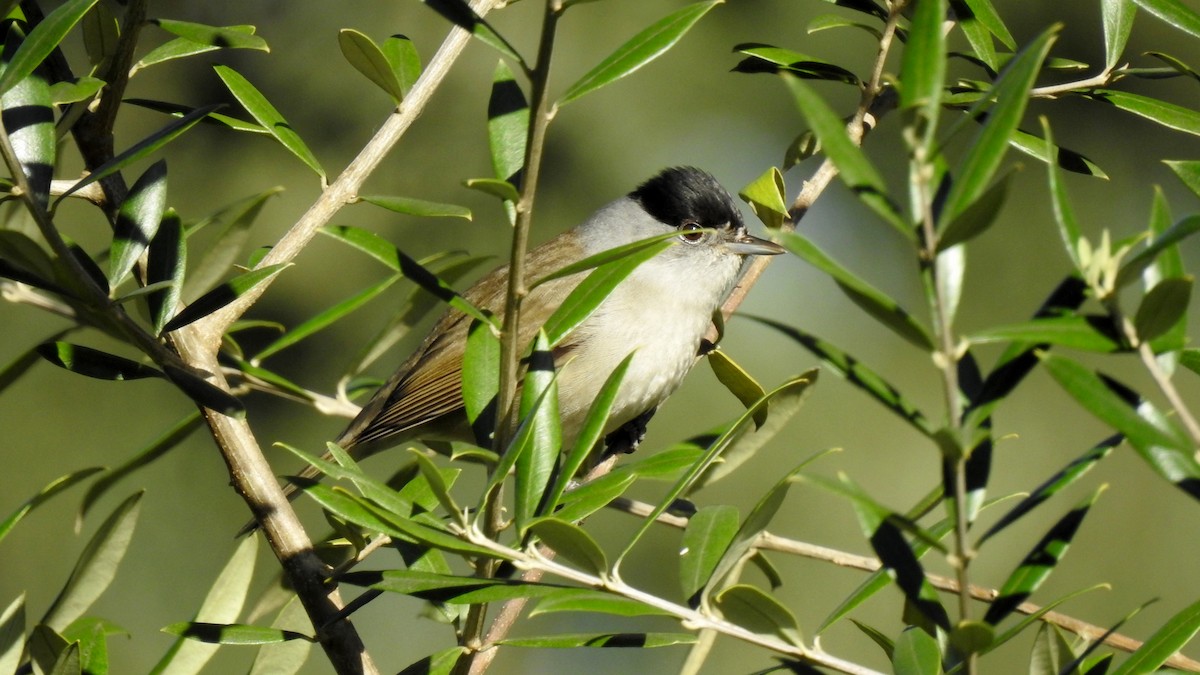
[688,195]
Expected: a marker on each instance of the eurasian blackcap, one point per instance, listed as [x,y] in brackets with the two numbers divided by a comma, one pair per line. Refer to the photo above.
[660,313]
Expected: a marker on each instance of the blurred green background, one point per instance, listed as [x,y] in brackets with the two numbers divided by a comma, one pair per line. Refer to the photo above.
[685,108]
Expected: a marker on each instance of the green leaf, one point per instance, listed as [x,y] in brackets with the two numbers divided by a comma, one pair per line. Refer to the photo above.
[439,663]
[166,263]
[507,128]
[1135,266]
[856,170]
[593,495]
[402,56]
[12,635]
[1166,452]
[29,120]
[94,363]
[983,158]
[639,50]
[738,382]
[1037,565]
[1026,621]
[96,566]
[1175,13]
[1073,331]
[1051,652]
[325,319]
[101,33]
[885,643]
[590,600]
[628,640]
[916,653]
[858,374]
[1166,641]
[265,114]
[235,221]
[781,409]
[589,434]
[481,379]
[367,58]
[177,110]
[50,490]
[42,40]
[718,446]
[383,251]
[1064,214]
[923,69]
[753,609]
[976,218]
[979,37]
[593,290]
[1188,171]
[766,197]
[370,488]
[198,639]
[142,148]
[137,221]
[539,410]
[1163,307]
[607,256]
[494,187]
[872,300]
[1162,113]
[437,484]
[573,543]
[1118,22]
[1065,158]
[763,58]
[418,207]
[231,633]
[1061,479]
[197,38]
[827,21]
[708,535]
[205,393]
[985,13]
[222,295]
[167,441]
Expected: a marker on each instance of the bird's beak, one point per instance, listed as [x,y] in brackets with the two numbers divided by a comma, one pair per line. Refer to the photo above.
[744,243]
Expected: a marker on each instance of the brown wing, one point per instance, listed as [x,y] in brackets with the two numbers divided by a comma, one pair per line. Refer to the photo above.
[428,386]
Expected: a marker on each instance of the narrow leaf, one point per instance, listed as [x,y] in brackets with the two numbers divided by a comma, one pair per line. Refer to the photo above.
[1118,22]
[916,653]
[230,634]
[1135,266]
[538,410]
[96,566]
[639,50]
[142,148]
[166,262]
[418,207]
[1162,113]
[507,128]
[42,40]
[462,15]
[983,158]
[923,68]
[589,600]
[1076,332]
[1166,642]
[28,118]
[1037,565]
[766,197]
[137,221]
[222,295]
[12,635]
[627,640]
[200,39]
[856,170]
[978,217]
[872,300]
[1175,13]
[50,490]
[94,363]
[325,319]
[481,379]
[265,114]
[737,381]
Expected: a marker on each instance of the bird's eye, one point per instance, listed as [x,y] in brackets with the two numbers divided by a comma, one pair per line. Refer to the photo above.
[691,232]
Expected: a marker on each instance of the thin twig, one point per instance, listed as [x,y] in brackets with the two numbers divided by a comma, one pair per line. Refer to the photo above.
[771,542]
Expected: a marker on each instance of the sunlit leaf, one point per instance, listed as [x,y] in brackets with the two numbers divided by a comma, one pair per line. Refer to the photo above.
[1160,112]
[708,534]
[573,543]
[402,56]
[763,58]
[137,221]
[1135,266]
[753,609]
[539,410]
[326,318]
[222,295]
[639,50]
[1175,13]
[507,127]
[923,69]
[1165,643]
[1118,22]
[262,111]
[29,120]
[611,640]
[767,198]
[589,600]
[1076,332]
[42,40]
[197,38]
[367,58]
[230,633]
[460,14]
[418,207]
[12,635]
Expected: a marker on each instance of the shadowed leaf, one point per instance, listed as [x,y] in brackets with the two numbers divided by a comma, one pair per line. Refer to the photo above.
[138,221]
[50,490]
[222,295]
[42,40]
[367,58]
[29,120]
[753,609]
[94,363]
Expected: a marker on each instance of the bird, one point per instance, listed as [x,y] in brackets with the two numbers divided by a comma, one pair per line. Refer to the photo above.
[660,314]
